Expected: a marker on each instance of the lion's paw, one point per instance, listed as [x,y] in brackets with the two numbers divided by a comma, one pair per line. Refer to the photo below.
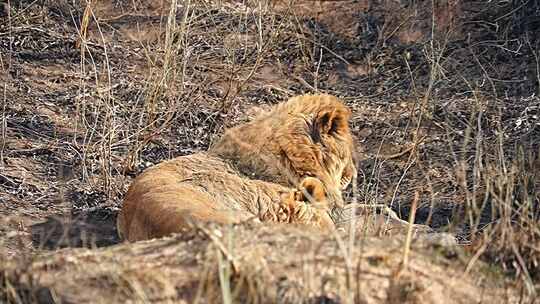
[306,206]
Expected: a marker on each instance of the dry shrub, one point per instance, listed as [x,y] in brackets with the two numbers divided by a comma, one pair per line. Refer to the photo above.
[512,200]
[498,174]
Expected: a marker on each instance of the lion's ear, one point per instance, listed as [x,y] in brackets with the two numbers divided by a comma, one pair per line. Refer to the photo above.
[312,189]
[332,122]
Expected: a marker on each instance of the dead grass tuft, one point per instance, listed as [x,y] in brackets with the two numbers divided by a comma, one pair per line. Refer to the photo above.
[507,212]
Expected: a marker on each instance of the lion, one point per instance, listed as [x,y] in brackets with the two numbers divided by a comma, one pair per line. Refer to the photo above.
[289,165]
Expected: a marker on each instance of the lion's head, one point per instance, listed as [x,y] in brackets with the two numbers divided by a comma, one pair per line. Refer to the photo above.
[307,136]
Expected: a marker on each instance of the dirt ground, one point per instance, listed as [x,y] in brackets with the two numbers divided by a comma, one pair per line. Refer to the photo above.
[444,97]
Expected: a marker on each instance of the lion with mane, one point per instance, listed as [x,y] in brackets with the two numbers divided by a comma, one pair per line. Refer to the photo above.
[287,165]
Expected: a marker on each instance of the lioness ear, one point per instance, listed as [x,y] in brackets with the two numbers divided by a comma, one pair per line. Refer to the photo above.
[332,121]
[312,190]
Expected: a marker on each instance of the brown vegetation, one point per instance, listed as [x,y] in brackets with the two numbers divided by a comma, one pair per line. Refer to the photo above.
[251,264]
[444,111]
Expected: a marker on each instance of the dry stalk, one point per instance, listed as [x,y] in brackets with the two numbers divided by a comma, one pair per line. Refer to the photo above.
[81,104]
[166,77]
[224,279]
[10,27]
[3,125]
[230,258]
[83,30]
[348,254]
[407,246]
[535,53]
[110,130]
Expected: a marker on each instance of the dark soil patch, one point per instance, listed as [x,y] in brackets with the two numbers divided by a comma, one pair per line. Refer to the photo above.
[85,229]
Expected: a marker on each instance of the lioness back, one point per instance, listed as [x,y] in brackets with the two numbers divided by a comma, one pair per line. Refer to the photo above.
[168,197]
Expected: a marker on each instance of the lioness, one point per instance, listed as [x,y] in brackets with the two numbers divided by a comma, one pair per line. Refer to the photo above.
[251,172]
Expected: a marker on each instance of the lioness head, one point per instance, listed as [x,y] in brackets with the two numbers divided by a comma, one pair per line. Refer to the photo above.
[307,136]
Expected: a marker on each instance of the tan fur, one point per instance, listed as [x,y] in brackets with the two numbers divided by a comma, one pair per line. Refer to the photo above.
[306,206]
[306,136]
[169,197]
[251,172]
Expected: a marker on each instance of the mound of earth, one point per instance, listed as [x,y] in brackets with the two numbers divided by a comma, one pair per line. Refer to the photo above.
[253,264]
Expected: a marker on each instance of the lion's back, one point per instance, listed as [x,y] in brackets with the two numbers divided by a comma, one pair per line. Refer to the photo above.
[170,196]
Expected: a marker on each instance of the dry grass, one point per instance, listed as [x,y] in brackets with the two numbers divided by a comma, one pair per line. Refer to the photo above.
[273,264]
[504,205]
[95,91]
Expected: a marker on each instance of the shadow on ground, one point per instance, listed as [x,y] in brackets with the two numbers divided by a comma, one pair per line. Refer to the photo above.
[88,229]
